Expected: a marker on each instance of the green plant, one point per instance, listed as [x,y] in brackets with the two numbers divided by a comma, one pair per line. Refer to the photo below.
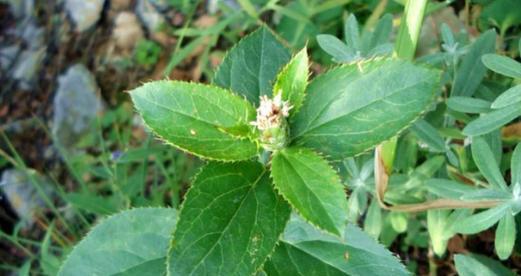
[268,162]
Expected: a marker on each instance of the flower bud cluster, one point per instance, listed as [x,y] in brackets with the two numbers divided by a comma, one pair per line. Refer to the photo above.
[271,122]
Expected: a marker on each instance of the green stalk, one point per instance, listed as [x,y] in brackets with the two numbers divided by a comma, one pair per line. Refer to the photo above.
[410,27]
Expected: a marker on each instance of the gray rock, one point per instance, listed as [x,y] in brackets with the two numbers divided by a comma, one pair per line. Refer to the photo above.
[75,105]
[149,14]
[84,13]
[22,195]
[27,66]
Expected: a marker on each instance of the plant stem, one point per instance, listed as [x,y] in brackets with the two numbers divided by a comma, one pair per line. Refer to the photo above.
[410,27]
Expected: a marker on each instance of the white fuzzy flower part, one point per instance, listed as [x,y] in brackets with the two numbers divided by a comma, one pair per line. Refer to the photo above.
[271,112]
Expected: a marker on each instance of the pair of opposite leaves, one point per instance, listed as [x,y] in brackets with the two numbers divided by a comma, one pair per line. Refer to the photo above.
[341,113]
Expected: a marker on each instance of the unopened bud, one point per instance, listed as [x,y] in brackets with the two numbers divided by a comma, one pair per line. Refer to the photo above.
[271,122]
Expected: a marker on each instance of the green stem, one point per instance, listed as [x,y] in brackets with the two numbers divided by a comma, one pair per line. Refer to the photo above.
[410,27]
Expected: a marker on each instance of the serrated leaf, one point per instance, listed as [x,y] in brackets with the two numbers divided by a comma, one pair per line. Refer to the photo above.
[229,223]
[505,236]
[194,117]
[484,159]
[336,48]
[429,135]
[503,65]
[250,67]
[124,244]
[492,121]
[292,81]
[474,264]
[312,187]
[481,221]
[471,71]
[509,97]
[468,105]
[445,188]
[307,252]
[365,104]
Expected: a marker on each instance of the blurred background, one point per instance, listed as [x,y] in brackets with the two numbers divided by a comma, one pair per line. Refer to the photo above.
[72,149]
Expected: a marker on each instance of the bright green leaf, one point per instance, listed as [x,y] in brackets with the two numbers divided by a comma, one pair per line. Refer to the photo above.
[509,97]
[306,251]
[492,121]
[229,223]
[195,118]
[292,81]
[365,104]
[437,225]
[503,65]
[505,236]
[471,71]
[484,159]
[250,67]
[124,244]
[474,264]
[312,187]
[481,221]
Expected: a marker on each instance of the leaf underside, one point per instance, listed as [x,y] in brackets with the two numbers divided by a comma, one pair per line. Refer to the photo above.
[127,243]
[229,223]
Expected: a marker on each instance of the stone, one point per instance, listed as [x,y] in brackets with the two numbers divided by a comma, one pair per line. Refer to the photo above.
[27,66]
[127,31]
[76,104]
[22,194]
[149,15]
[84,13]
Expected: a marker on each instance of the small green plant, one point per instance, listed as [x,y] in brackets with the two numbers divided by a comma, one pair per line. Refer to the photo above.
[269,137]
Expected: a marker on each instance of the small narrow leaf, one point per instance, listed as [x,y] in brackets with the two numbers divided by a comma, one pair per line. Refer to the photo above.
[336,48]
[382,31]
[194,117]
[124,244]
[373,220]
[312,187]
[492,121]
[429,135]
[229,223]
[306,251]
[365,104]
[505,236]
[484,159]
[250,67]
[436,226]
[468,105]
[502,65]
[481,221]
[292,81]
[352,33]
[445,188]
[487,194]
[515,165]
[474,264]
[471,71]
[509,97]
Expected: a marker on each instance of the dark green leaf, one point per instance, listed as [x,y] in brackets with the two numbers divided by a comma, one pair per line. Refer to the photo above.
[307,252]
[471,71]
[229,222]
[128,242]
[250,67]
[365,104]
[473,265]
[312,187]
[194,117]
[429,135]
[92,203]
[468,105]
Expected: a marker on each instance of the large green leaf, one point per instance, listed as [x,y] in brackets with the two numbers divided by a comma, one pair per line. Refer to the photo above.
[474,264]
[127,243]
[200,119]
[306,251]
[502,65]
[292,81]
[471,71]
[250,67]
[312,187]
[229,223]
[354,107]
